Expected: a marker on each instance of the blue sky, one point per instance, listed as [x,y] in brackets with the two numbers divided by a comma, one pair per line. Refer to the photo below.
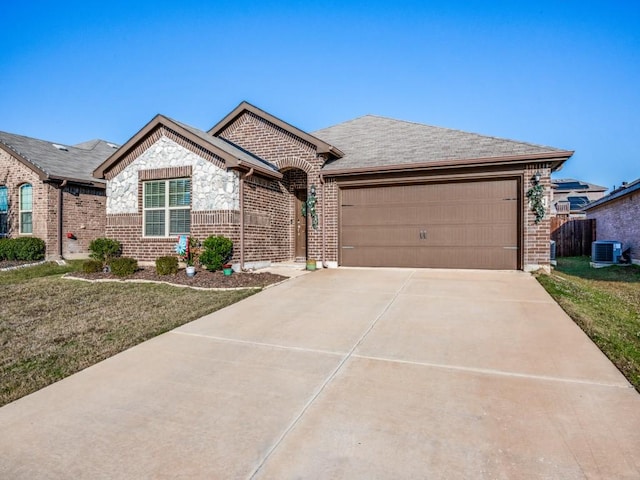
[558,73]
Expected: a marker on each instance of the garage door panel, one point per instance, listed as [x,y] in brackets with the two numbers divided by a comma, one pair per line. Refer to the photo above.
[447,225]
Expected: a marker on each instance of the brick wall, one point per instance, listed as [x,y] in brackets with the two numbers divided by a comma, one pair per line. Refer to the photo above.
[618,220]
[83,215]
[301,165]
[536,249]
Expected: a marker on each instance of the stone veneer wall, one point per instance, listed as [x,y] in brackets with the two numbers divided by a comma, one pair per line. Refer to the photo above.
[214,195]
[618,220]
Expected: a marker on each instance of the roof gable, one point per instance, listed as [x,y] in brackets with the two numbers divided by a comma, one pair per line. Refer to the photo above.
[321,146]
[373,143]
[52,161]
[232,156]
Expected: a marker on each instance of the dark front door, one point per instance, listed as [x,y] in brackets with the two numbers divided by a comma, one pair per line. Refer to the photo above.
[301,224]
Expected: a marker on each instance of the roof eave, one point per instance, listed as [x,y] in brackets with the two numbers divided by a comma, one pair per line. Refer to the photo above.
[555,158]
[322,147]
[230,160]
[78,181]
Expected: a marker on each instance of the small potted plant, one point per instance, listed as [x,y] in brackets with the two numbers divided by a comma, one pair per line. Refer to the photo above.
[187,248]
[227,269]
[311,264]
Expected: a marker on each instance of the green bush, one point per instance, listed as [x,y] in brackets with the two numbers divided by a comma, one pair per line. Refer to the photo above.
[167,265]
[7,249]
[123,266]
[216,251]
[91,266]
[29,248]
[104,249]
[22,248]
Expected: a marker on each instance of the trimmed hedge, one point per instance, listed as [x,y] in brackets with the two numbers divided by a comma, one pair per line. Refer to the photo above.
[92,266]
[216,251]
[104,249]
[22,248]
[123,266]
[167,265]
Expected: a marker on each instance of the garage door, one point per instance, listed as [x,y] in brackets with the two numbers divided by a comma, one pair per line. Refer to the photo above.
[444,225]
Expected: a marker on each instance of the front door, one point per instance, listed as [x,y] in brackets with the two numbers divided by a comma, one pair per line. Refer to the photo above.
[300,225]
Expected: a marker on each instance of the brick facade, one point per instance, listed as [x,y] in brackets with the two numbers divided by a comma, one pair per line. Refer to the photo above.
[83,209]
[536,236]
[617,219]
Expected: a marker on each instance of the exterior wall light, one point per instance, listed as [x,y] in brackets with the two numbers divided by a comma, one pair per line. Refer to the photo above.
[536,177]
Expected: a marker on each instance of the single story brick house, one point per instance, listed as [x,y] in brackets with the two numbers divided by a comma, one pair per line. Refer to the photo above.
[377,192]
[617,217]
[47,190]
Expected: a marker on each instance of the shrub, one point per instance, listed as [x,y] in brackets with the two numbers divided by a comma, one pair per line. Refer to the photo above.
[7,249]
[123,266]
[216,251]
[167,265]
[29,248]
[22,248]
[91,266]
[104,249]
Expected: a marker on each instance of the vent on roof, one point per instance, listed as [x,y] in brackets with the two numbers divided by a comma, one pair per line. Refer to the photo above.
[60,147]
[112,145]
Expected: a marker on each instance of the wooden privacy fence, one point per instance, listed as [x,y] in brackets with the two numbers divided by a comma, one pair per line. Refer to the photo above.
[573,236]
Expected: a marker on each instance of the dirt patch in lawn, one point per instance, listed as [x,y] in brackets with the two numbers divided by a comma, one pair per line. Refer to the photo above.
[202,278]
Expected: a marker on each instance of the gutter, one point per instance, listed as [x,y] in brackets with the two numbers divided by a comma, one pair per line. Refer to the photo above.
[242,179]
[60,219]
[559,158]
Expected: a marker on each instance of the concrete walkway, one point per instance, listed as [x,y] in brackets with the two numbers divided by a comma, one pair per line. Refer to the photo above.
[344,374]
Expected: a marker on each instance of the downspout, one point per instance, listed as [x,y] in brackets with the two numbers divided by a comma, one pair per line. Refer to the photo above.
[322,219]
[60,189]
[242,178]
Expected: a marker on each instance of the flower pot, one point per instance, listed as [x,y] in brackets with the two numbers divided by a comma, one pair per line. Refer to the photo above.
[191,271]
[311,264]
[227,271]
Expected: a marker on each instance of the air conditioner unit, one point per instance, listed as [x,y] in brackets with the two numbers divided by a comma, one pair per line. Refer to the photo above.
[606,251]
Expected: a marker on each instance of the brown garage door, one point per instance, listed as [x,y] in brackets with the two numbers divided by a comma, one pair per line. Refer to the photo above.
[444,225]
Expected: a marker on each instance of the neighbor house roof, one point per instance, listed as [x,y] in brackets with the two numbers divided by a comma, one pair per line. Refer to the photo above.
[54,161]
[233,156]
[623,191]
[571,184]
[320,145]
[372,143]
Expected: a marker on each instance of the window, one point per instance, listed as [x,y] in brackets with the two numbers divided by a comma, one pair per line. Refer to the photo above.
[26,209]
[4,211]
[167,207]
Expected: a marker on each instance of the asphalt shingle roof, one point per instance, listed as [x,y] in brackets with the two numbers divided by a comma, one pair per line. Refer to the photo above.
[373,141]
[75,163]
[228,147]
[620,192]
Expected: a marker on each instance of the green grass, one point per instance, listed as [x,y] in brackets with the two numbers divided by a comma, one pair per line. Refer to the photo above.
[51,327]
[605,303]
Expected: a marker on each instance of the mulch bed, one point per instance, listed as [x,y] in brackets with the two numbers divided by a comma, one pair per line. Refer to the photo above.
[202,278]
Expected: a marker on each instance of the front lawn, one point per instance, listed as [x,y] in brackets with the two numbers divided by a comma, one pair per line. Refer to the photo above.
[52,327]
[605,303]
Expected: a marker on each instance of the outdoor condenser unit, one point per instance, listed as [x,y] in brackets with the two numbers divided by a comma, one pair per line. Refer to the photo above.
[606,251]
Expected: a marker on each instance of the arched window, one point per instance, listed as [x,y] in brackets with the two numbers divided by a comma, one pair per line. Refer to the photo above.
[26,209]
[4,211]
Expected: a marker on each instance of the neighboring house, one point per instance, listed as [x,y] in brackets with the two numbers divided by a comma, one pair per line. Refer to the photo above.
[47,190]
[385,192]
[570,196]
[617,217]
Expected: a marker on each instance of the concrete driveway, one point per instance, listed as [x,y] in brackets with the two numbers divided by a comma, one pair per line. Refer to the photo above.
[348,373]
